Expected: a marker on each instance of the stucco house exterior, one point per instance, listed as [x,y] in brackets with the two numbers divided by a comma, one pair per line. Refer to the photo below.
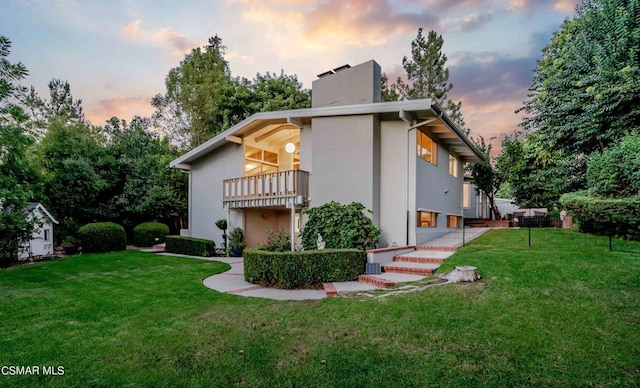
[41,243]
[402,160]
[474,202]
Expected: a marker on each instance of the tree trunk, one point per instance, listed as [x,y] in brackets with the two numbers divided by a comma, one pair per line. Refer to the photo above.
[494,208]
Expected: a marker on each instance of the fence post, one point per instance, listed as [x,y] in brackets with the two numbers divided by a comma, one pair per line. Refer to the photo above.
[610,231]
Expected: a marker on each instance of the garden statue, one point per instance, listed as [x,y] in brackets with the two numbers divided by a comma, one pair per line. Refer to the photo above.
[321,244]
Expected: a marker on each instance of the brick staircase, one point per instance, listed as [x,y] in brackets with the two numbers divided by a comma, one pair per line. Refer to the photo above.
[422,262]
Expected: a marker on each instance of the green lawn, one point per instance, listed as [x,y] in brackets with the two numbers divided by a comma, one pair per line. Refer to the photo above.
[565,312]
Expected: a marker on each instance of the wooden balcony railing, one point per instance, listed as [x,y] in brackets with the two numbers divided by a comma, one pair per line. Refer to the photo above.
[264,190]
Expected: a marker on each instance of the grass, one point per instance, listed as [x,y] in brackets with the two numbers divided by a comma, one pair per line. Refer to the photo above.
[565,312]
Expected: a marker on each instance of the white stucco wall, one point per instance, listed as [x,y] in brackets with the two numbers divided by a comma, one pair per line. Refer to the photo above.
[394,171]
[343,163]
[205,195]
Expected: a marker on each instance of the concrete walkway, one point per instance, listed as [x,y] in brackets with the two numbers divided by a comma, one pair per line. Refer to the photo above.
[232,281]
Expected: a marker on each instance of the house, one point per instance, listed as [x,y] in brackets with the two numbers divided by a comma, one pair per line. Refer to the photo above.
[402,160]
[41,243]
[474,202]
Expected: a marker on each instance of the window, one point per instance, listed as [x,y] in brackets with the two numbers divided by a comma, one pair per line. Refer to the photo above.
[453,165]
[453,221]
[259,161]
[427,219]
[46,234]
[427,148]
[466,195]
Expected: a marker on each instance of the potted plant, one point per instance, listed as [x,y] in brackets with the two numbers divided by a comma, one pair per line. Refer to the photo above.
[222,225]
[236,242]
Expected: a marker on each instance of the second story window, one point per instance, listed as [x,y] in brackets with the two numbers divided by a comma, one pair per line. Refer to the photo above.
[453,165]
[427,148]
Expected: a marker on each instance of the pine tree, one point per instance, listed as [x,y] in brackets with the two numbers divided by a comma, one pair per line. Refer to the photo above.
[428,75]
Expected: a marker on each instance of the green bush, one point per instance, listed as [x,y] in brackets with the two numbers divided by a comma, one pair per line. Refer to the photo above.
[236,242]
[190,246]
[341,226]
[277,242]
[102,237]
[149,233]
[617,216]
[615,172]
[302,268]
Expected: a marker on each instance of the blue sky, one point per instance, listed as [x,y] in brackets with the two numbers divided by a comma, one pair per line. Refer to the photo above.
[116,53]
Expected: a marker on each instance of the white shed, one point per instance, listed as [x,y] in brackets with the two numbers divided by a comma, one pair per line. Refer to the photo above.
[41,243]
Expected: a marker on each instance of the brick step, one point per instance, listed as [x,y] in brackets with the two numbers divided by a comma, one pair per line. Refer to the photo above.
[424,269]
[330,289]
[413,259]
[376,281]
[424,256]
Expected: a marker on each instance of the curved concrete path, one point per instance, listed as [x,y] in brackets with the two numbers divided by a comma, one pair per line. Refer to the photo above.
[232,281]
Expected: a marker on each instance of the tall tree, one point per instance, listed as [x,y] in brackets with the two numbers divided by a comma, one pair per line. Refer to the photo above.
[60,106]
[585,97]
[71,157]
[202,98]
[195,89]
[141,187]
[389,92]
[428,75]
[538,175]
[585,94]
[17,175]
[487,176]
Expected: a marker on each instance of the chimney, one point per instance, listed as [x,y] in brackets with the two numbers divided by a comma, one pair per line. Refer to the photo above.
[346,85]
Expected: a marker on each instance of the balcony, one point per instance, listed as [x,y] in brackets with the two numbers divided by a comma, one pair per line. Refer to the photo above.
[275,189]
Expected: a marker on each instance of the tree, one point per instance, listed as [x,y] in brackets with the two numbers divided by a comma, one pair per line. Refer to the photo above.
[428,75]
[203,99]
[60,106]
[487,177]
[616,171]
[72,160]
[389,92]
[585,94]
[17,175]
[538,175]
[195,89]
[141,186]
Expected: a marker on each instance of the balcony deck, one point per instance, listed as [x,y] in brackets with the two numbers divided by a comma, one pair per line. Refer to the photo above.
[275,189]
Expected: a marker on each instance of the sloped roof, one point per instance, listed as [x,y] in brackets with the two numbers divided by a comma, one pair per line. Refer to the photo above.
[422,111]
[32,206]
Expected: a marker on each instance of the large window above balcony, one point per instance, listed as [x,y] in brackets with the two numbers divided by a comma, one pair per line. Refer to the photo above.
[259,161]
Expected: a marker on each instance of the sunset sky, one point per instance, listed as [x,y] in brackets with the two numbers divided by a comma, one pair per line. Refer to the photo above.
[116,54]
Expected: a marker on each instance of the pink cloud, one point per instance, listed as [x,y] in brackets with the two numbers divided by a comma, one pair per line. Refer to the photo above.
[163,36]
[121,107]
[567,6]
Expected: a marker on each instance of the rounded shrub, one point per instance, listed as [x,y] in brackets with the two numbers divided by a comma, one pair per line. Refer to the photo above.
[149,233]
[341,227]
[102,237]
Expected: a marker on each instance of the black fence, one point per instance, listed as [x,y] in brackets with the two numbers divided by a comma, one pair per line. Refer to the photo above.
[538,221]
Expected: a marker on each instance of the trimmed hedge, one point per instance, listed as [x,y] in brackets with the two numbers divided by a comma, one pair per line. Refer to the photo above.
[620,216]
[148,234]
[190,246]
[302,269]
[102,237]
